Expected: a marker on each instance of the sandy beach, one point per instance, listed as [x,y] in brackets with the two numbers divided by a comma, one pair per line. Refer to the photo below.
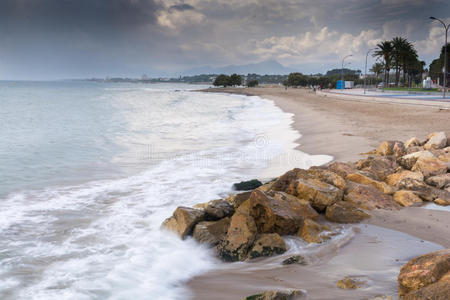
[373,251]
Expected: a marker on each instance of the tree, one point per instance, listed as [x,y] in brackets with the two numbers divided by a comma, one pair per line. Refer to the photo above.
[437,65]
[235,79]
[385,51]
[222,80]
[297,79]
[377,69]
[252,83]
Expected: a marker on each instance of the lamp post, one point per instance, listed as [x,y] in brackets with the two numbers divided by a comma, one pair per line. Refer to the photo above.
[446,26]
[342,69]
[365,70]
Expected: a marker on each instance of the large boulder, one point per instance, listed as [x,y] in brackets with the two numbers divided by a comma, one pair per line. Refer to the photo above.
[436,291]
[408,161]
[439,181]
[267,245]
[377,165]
[218,209]
[395,178]
[183,220]
[424,191]
[327,176]
[342,169]
[436,140]
[424,271]
[406,198]
[379,185]
[429,166]
[278,295]
[237,199]
[368,197]
[312,232]
[239,239]
[278,212]
[345,212]
[211,233]
[247,185]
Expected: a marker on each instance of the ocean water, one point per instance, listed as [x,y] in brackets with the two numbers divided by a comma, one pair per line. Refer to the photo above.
[88,171]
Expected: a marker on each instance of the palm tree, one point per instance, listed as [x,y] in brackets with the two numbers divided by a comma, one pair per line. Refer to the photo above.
[384,51]
[400,50]
[377,69]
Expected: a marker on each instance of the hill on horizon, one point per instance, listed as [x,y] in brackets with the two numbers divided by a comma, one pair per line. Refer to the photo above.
[269,67]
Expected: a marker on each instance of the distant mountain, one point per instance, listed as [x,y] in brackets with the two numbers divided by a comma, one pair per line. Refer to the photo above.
[269,67]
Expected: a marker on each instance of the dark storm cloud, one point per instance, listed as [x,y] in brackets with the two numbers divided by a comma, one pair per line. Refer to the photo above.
[182,7]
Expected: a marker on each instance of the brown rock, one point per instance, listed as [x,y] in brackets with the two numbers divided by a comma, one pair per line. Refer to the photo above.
[443,202]
[429,166]
[379,185]
[295,259]
[395,178]
[399,149]
[423,271]
[368,197]
[278,295]
[377,165]
[311,231]
[408,161]
[183,220]
[436,140]
[413,149]
[412,142]
[439,181]
[328,177]
[319,194]
[279,212]
[345,212]
[267,245]
[424,191]
[218,209]
[237,199]
[435,291]
[240,237]
[349,283]
[342,169]
[406,198]
[387,148]
[211,233]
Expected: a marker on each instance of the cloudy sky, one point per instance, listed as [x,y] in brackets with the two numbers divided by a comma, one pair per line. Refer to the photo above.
[53,39]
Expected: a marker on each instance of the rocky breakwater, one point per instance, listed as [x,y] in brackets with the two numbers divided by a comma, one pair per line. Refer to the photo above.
[307,203]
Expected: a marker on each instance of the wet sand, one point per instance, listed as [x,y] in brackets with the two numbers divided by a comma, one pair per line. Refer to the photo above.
[382,245]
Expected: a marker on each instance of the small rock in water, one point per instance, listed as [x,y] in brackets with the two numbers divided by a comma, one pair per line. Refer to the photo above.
[295,259]
[247,185]
[349,283]
[278,295]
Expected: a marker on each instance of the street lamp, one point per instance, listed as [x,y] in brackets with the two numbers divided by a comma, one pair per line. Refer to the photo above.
[342,69]
[445,51]
[365,70]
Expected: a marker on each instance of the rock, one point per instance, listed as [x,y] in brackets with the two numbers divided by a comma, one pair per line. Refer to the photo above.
[408,161]
[295,259]
[395,148]
[406,198]
[380,166]
[345,212]
[439,181]
[237,199]
[183,220]
[424,271]
[443,202]
[413,149]
[311,231]
[201,206]
[278,295]
[436,140]
[218,209]
[395,178]
[435,291]
[381,297]
[319,194]
[327,176]
[211,233]
[424,191]
[368,197]
[412,142]
[429,166]
[342,169]
[349,283]
[240,237]
[267,245]
[279,212]
[244,208]
[379,185]
[247,185]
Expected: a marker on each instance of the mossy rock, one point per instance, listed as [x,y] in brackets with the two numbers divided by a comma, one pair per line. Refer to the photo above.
[247,185]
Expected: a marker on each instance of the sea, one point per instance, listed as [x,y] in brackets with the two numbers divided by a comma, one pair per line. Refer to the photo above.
[89,170]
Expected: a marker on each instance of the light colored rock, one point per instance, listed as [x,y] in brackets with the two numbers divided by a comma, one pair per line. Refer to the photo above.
[379,185]
[211,233]
[395,178]
[183,220]
[436,140]
[412,142]
[439,181]
[408,161]
[367,197]
[423,271]
[406,198]
[443,202]
[413,149]
[267,245]
[328,177]
[240,237]
[311,231]
[345,212]
[395,148]
[318,193]
[429,166]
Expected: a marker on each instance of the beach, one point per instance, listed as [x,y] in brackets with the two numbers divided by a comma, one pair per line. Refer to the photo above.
[374,250]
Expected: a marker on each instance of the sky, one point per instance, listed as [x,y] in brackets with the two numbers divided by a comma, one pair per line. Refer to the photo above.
[61,39]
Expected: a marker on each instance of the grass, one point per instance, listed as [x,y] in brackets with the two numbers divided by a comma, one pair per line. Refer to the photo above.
[405,89]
